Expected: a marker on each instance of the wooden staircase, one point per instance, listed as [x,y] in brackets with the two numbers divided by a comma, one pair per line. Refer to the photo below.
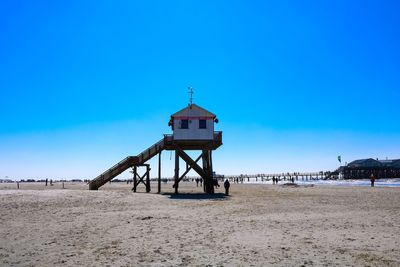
[167,143]
[125,164]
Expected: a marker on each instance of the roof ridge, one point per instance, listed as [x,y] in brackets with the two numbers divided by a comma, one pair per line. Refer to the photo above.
[196,106]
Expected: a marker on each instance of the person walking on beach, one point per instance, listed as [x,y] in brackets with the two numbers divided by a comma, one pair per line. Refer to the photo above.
[227,185]
[372,180]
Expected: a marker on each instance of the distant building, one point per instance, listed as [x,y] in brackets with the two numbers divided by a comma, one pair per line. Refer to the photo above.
[363,168]
[364,163]
[193,123]
[396,163]
[374,163]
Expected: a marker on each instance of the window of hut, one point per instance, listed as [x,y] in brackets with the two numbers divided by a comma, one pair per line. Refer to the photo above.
[184,124]
[202,124]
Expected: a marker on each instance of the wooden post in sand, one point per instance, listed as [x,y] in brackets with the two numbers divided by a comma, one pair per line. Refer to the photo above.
[176,176]
[159,173]
[148,189]
[17,185]
[134,178]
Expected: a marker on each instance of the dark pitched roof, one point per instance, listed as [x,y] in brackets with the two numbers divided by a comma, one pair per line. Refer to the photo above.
[365,163]
[184,111]
[372,163]
[394,163]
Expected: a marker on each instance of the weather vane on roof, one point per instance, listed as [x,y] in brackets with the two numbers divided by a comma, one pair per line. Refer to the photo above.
[190,91]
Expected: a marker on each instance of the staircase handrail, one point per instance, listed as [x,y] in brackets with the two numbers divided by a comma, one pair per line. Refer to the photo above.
[154,149]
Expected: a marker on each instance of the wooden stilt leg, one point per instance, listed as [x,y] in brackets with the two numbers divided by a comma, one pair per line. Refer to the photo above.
[148,189]
[210,171]
[204,160]
[159,173]
[176,182]
[209,183]
[134,178]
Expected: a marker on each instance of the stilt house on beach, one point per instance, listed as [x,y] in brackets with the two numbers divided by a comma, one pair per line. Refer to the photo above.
[193,129]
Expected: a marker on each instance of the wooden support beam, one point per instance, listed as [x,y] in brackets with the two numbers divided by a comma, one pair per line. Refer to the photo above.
[137,179]
[210,173]
[211,165]
[159,173]
[207,167]
[176,176]
[141,178]
[179,152]
[188,169]
[148,189]
[134,171]
[206,172]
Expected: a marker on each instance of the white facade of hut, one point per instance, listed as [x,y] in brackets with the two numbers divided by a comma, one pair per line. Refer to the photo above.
[193,123]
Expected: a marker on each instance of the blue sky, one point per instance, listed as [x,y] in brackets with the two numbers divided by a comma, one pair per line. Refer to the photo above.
[294,83]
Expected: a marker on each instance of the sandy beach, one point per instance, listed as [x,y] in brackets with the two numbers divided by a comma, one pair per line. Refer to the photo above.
[258,225]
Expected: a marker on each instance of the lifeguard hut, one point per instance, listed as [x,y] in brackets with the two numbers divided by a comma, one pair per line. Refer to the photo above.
[193,129]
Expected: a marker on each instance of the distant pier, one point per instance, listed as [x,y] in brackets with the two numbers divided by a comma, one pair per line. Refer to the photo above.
[295,176]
